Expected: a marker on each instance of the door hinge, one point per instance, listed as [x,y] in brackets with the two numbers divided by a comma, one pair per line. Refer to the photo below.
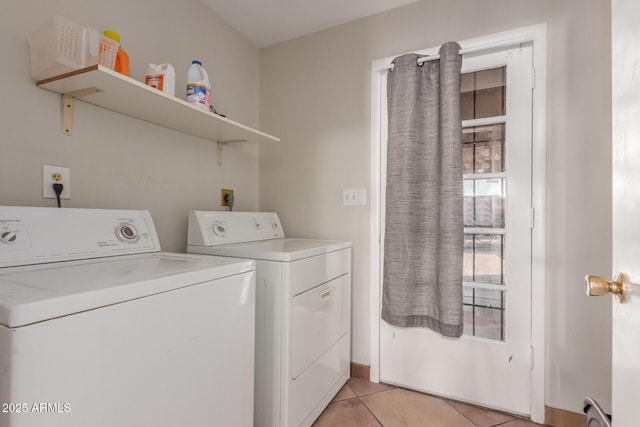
[533,217]
[531,358]
[533,78]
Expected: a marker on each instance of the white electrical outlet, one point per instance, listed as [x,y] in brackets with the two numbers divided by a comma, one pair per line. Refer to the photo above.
[52,174]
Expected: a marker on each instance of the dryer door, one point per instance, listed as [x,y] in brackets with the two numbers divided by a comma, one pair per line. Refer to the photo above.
[320,318]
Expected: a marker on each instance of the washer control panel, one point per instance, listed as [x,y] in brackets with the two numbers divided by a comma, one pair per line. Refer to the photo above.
[30,235]
[219,228]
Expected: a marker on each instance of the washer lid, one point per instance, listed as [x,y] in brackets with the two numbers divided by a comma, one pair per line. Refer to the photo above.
[33,294]
[285,250]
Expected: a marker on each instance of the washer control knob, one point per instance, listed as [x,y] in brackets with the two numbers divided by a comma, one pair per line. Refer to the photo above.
[8,237]
[127,233]
[274,225]
[257,225]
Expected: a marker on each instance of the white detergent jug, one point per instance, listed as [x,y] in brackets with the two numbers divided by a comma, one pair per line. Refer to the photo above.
[162,77]
[198,88]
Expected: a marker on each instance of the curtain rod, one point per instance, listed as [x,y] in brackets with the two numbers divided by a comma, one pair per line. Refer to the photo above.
[503,44]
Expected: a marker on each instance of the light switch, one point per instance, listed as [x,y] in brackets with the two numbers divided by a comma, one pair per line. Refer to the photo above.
[354,197]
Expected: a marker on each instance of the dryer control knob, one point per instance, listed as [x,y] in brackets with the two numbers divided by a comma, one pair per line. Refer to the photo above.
[8,237]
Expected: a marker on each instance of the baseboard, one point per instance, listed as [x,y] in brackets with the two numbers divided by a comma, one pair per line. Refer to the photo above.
[561,418]
[359,371]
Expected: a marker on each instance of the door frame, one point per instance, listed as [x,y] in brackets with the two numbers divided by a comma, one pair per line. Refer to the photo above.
[538,35]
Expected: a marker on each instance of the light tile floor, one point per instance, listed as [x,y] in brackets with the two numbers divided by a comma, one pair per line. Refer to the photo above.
[361,403]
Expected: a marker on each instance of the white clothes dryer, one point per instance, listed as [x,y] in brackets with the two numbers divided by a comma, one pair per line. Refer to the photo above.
[99,328]
[303,311]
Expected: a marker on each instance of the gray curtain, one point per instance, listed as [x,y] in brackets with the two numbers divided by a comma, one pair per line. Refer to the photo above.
[422,283]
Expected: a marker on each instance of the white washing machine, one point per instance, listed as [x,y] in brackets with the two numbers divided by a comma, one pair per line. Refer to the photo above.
[303,306]
[99,328]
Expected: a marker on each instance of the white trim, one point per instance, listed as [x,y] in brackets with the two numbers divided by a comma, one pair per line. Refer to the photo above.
[539,251]
[492,175]
[486,121]
[485,231]
[375,226]
[481,49]
[489,286]
[538,35]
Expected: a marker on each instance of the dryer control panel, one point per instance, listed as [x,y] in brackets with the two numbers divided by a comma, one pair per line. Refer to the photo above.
[35,235]
[220,228]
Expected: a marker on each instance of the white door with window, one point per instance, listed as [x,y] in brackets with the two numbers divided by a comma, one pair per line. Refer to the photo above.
[491,363]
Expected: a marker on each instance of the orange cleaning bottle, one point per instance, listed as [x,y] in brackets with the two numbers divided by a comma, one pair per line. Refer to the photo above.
[122,59]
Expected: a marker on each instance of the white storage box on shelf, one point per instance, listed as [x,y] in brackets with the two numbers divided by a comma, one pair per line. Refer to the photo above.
[60,46]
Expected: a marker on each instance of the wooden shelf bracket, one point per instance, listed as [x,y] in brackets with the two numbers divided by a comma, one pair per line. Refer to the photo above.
[67,108]
[221,144]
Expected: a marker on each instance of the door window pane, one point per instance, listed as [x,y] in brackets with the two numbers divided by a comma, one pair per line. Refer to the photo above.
[483,259]
[484,203]
[484,313]
[483,149]
[483,93]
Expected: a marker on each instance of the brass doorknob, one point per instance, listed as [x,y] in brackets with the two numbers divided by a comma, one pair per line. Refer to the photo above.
[596,286]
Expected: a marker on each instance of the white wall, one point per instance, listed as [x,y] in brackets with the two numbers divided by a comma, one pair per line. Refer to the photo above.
[315,95]
[117,161]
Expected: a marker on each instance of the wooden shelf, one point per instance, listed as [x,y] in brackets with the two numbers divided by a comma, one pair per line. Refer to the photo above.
[104,87]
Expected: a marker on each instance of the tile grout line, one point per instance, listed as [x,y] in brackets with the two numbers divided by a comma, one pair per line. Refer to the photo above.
[514,417]
[369,410]
[456,409]
[486,409]
[365,405]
